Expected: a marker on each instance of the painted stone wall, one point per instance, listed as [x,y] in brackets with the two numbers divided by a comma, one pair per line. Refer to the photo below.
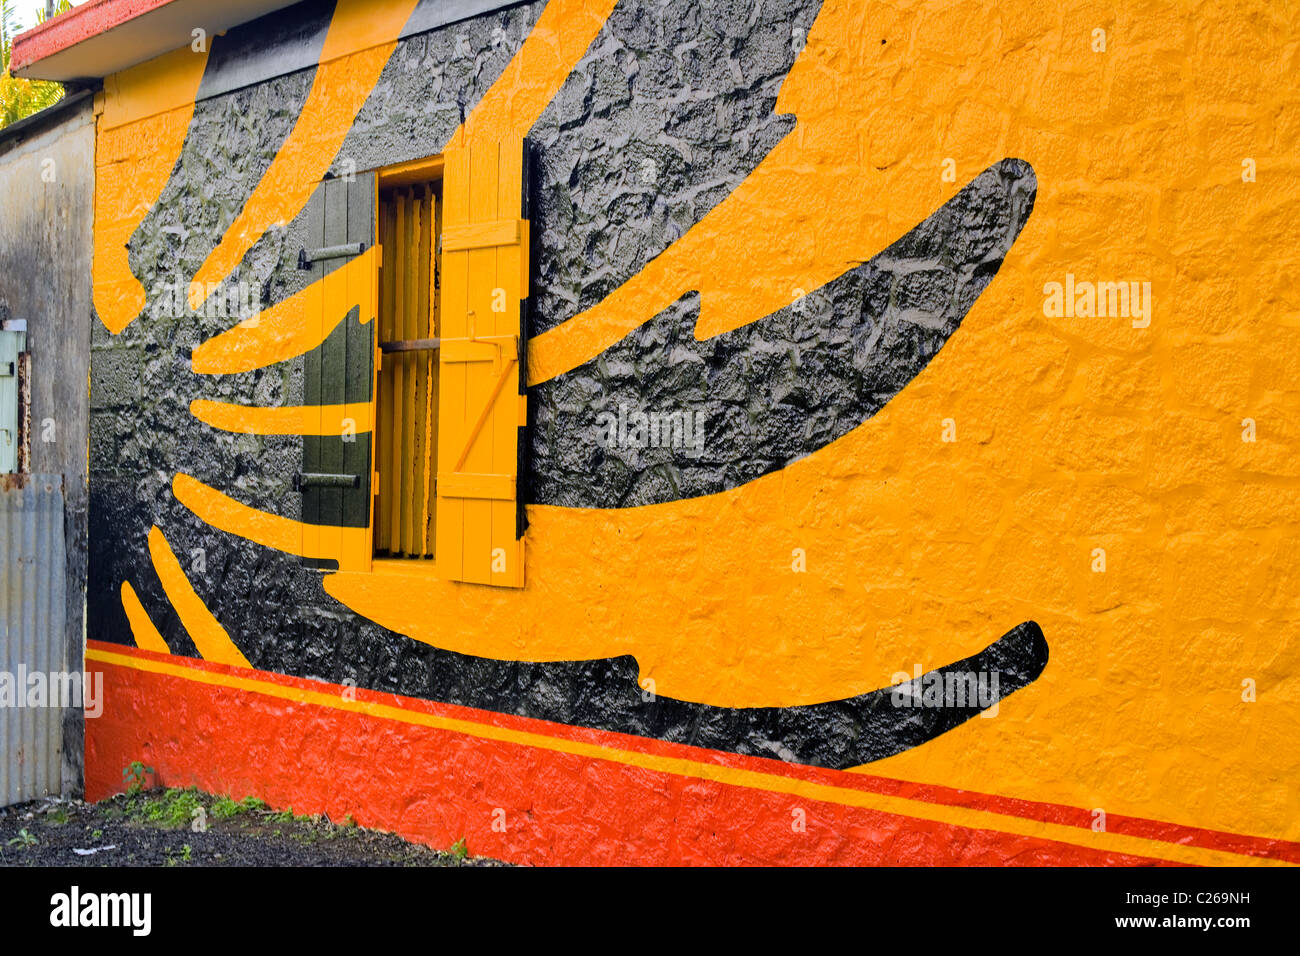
[826,234]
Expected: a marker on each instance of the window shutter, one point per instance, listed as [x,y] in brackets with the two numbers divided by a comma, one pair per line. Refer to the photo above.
[481,385]
[339,374]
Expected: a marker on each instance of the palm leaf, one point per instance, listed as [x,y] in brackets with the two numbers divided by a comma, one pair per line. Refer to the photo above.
[20,98]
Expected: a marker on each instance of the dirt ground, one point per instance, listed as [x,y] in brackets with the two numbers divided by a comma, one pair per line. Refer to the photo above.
[191,828]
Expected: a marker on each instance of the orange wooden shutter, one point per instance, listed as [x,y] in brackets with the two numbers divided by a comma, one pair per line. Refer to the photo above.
[480,398]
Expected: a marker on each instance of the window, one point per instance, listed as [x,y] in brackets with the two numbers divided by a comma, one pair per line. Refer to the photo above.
[13,396]
[434,385]
[406,394]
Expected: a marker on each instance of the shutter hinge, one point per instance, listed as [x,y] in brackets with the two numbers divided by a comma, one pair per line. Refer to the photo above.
[307,479]
[307,257]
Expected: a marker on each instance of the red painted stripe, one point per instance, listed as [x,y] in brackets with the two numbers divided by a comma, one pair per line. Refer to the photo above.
[1032,810]
[80,23]
[436,786]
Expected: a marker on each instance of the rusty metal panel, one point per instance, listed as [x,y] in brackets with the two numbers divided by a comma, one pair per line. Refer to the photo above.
[32,611]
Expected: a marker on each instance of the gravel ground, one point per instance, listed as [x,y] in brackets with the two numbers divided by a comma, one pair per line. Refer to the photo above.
[162,828]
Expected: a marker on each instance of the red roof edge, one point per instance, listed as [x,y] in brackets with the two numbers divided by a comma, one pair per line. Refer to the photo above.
[71,27]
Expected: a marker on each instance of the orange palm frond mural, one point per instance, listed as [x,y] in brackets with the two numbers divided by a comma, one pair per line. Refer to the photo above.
[142,628]
[917,555]
[361,38]
[153,104]
[286,330]
[211,639]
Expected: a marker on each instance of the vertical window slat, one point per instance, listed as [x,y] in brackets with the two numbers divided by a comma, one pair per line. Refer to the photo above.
[384,443]
[411,305]
[435,311]
[427,308]
[397,465]
[407,424]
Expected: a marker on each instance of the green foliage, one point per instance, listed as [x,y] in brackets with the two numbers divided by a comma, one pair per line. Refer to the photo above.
[134,776]
[19,97]
[24,839]
[459,849]
[284,816]
[175,859]
[223,808]
[170,808]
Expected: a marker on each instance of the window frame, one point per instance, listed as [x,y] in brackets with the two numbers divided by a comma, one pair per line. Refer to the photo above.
[426,170]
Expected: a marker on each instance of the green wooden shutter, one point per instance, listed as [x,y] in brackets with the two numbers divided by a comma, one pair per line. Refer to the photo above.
[336,461]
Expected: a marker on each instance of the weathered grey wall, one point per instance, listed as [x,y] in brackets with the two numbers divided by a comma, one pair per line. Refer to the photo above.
[46,217]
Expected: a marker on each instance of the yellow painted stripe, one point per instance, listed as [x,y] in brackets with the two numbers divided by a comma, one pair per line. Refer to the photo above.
[331,420]
[732,776]
[559,38]
[271,531]
[283,331]
[510,107]
[205,631]
[139,136]
[146,635]
[342,84]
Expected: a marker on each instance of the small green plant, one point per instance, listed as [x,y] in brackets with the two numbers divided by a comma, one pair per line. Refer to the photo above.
[96,834]
[284,816]
[223,808]
[175,859]
[24,839]
[134,776]
[172,808]
[459,849]
[58,816]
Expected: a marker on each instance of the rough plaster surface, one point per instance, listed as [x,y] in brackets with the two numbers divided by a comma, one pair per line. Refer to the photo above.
[783,387]
[1070,434]
[673,105]
[558,809]
[692,95]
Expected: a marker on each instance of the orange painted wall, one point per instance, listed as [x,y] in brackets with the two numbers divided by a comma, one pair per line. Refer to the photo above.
[1072,434]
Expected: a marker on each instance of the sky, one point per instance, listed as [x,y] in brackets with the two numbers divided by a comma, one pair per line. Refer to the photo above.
[25,12]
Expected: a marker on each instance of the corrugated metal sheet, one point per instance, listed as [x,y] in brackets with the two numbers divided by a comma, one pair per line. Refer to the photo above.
[32,608]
